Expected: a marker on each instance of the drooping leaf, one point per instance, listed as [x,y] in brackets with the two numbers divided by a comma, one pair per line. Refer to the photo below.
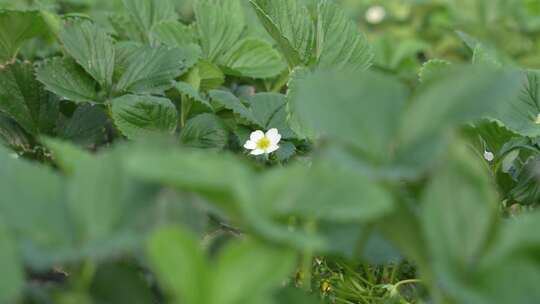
[25,100]
[253,58]
[339,44]
[151,70]
[145,14]
[204,131]
[290,25]
[137,116]
[16,27]
[92,48]
[66,79]
[220,25]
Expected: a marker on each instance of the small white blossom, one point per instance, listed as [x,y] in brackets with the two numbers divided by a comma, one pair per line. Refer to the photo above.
[537,119]
[375,14]
[489,156]
[261,143]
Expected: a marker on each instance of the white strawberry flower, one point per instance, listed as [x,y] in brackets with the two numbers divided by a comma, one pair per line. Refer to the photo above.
[261,143]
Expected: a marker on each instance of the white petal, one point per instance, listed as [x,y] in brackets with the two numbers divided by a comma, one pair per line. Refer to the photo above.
[256,136]
[250,145]
[272,148]
[274,136]
[257,152]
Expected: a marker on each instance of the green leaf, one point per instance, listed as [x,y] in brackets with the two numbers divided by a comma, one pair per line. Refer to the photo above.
[297,192]
[12,281]
[103,199]
[92,48]
[205,131]
[211,76]
[231,102]
[522,113]
[250,270]
[67,156]
[222,178]
[432,70]
[460,188]
[269,110]
[133,288]
[12,135]
[220,25]
[361,109]
[39,216]
[25,100]
[339,44]
[286,151]
[86,127]
[66,79]
[173,33]
[16,27]
[290,25]
[464,94]
[137,116]
[145,14]
[253,58]
[187,90]
[152,70]
[180,266]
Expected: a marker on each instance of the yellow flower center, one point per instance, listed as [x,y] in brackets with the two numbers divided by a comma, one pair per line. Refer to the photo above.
[263,143]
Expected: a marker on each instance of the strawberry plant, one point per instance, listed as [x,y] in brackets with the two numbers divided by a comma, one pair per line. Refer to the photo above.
[258,151]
